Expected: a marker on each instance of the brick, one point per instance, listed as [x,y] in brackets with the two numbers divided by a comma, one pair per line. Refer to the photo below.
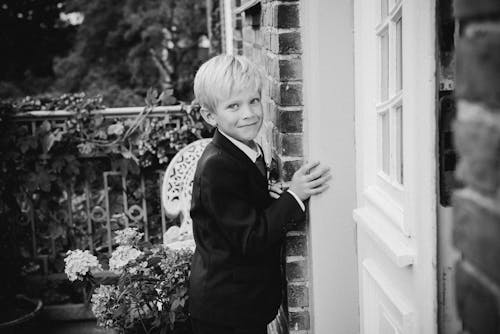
[265,84]
[296,245]
[267,15]
[288,168]
[298,295]
[477,139]
[272,111]
[248,50]
[288,94]
[248,35]
[266,39]
[238,47]
[291,144]
[290,69]
[296,271]
[238,35]
[287,16]
[297,225]
[476,233]
[272,87]
[477,305]
[272,66]
[238,23]
[289,120]
[466,9]
[259,40]
[266,135]
[253,16]
[478,68]
[298,320]
[286,42]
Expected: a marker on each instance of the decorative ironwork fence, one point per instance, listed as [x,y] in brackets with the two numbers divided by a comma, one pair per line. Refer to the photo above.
[92,209]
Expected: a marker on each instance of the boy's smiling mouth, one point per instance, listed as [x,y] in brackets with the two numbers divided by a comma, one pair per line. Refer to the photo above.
[245,125]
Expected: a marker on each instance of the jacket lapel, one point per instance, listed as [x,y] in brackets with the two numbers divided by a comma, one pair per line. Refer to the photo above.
[225,144]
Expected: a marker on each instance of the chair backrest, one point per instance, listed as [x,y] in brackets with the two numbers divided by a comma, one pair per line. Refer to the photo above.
[177,189]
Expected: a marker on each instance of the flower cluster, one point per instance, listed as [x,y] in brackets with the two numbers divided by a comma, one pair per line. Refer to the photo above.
[151,292]
[80,263]
[104,304]
[122,256]
[128,236]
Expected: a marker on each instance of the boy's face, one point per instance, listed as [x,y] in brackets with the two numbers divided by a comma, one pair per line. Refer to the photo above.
[239,116]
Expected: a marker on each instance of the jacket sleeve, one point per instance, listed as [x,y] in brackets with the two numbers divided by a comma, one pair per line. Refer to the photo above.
[225,197]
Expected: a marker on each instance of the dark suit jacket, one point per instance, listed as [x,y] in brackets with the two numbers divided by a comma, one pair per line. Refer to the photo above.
[239,230]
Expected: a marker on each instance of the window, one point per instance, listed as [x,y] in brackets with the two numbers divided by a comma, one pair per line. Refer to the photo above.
[389,108]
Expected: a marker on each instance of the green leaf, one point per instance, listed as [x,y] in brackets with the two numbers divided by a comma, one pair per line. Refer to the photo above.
[153,261]
[58,164]
[175,305]
[45,127]
[98,119]
[47,141]
[134,168]
[171,316]
[123,163]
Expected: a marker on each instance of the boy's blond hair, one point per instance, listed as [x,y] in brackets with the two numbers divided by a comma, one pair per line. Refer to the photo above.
[222,76]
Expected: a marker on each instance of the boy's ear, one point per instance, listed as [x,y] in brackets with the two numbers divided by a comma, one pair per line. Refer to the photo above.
[208,116]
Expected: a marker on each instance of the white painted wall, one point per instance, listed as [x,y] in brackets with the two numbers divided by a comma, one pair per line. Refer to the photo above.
[328,59]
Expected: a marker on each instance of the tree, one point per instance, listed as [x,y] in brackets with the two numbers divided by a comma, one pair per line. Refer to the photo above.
[31,35]
[120,48]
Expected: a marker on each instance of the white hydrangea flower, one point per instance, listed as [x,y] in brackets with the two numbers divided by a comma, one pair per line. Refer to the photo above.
[128,236]
[78,263]
[122,256]
[101,299]
[116,129]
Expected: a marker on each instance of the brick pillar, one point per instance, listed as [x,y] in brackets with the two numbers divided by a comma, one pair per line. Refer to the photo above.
[271,38]
[477,136]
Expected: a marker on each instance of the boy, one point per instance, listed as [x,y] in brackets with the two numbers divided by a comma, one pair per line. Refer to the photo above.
[238,225]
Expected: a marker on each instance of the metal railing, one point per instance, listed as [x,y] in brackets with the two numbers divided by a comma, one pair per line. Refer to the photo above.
[92,210]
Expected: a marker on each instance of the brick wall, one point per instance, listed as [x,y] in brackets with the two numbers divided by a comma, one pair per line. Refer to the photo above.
[477,137]
[270,36]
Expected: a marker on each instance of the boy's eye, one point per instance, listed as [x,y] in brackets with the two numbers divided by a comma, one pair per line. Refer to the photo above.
[255,100]
[233,106]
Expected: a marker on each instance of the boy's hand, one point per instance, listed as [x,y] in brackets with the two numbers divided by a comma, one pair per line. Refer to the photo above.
[310,179]
[275,190]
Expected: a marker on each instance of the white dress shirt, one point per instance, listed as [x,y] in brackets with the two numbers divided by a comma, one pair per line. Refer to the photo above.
[253,154]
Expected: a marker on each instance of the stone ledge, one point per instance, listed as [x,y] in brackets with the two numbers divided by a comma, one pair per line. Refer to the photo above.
[66,312]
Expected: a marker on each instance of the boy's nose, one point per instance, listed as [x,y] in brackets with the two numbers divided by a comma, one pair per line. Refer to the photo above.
[248,111]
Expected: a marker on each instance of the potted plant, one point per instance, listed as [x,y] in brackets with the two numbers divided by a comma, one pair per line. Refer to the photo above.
[151,293]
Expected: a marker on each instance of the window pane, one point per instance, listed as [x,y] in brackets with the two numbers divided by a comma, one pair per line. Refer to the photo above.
[384,141]
[399,144]
[399,54]
[383,9]
[384,65]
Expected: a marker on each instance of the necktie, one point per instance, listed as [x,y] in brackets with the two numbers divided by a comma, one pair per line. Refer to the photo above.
[261,165]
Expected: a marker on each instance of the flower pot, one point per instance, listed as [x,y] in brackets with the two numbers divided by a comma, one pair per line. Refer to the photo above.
[25,314]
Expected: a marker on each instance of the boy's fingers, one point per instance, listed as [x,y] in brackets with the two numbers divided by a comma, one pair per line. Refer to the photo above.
[276,188]
[319,189]
[308,166]
[317,172]
[274,195]
[319,181]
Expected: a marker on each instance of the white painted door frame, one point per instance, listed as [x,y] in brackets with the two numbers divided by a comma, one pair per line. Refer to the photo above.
[327,40]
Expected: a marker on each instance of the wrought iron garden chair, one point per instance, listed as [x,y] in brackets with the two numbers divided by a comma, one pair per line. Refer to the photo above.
[176,194]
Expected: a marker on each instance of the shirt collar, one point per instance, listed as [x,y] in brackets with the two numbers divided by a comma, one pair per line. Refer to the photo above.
[250,152]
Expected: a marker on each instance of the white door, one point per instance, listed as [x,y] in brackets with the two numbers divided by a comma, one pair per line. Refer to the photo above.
[395,94]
